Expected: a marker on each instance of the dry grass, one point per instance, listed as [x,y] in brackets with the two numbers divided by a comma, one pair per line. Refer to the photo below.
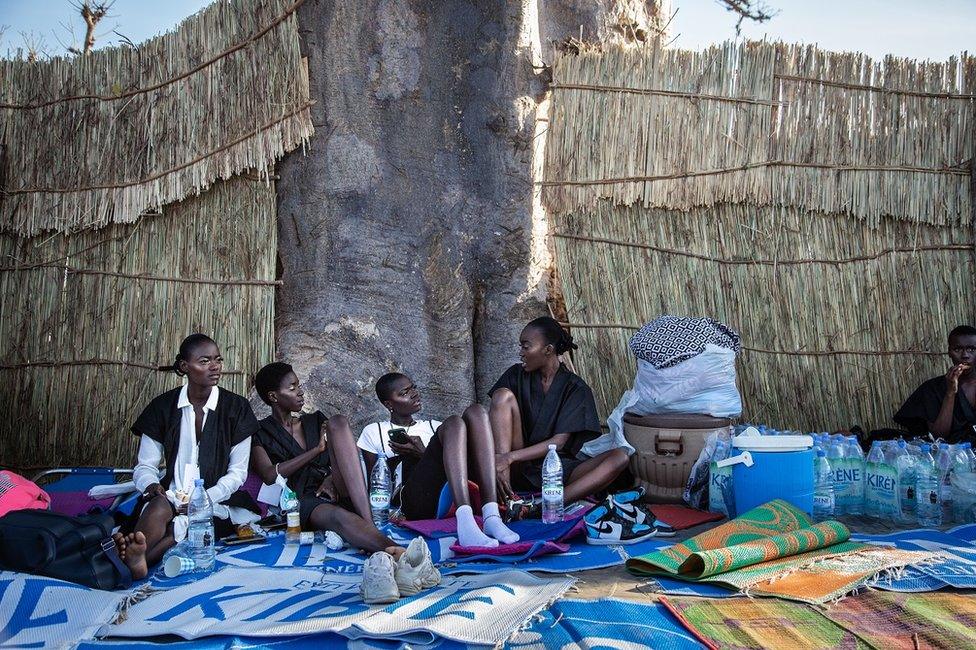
[842,249]
[67,392]
[104,138]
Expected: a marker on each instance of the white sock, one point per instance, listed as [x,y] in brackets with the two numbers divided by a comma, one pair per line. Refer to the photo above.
[494,525]
[468,532]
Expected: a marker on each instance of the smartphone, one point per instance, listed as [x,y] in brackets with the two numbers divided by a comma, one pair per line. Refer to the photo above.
[234,540]
[272,522]
[399,436]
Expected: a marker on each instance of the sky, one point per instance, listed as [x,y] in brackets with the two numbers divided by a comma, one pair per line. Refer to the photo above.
[922,29]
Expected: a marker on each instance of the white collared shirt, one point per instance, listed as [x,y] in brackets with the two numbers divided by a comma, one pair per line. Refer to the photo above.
[186,467]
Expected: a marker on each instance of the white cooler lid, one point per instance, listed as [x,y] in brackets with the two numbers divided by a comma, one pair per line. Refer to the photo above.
[752,440]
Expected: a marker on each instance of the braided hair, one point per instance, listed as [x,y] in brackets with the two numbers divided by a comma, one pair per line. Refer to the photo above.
[554,334]
[186,352]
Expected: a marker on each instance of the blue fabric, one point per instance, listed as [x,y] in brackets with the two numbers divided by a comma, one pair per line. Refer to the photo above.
[957,570]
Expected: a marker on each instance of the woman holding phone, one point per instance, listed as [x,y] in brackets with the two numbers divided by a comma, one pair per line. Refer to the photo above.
[426,454]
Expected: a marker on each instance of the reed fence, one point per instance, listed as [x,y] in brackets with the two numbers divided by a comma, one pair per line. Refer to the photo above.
[104,138]
[818,202]
[87,317]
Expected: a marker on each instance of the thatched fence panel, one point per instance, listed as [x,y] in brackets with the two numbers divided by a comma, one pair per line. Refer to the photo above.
[107,137]
[819,203]
[87,317]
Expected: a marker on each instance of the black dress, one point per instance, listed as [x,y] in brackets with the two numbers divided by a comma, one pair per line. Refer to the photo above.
[568,407]
[924,404]
[281,446]
[231,423]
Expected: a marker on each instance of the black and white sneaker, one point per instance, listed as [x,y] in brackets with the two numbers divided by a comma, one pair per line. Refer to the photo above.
[604,526]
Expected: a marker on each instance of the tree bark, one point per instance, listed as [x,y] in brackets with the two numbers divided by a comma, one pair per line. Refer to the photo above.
[409,234]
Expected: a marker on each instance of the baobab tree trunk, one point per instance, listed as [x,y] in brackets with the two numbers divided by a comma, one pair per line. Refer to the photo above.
[409,237]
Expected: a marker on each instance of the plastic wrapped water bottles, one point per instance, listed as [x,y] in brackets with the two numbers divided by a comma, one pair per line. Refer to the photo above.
[379,491]
[929,491]
[836,454]
[718,477]
[552,488]
[823,488]
[881,489]
[854,462]
[905,466]
[967,448]
[201,542]
[944,463]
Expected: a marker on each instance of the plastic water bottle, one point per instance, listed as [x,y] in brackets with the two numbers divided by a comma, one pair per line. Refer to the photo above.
[962,502]
[718,478]
[905,466]
[289,507]
[967,448]
[881,489]
[201,542]
[836,458]
[855,474]
[552,488]
[944,462]
[890,448]
[823,488]
[379,491]
[929,491]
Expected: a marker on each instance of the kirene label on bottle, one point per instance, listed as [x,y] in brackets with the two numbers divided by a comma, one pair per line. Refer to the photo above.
[552,491]
[823,501]
[379,499]
[293,520]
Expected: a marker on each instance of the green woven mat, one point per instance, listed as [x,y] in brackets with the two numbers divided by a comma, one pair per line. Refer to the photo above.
[773,531]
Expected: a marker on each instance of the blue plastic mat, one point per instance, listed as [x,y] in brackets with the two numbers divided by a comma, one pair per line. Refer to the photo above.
[957,568]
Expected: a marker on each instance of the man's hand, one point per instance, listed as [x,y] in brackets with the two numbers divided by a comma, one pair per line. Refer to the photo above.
[952,377]
[415,447]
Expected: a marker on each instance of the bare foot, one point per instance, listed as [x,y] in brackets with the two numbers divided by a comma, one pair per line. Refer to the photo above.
[135,555]
[119,540]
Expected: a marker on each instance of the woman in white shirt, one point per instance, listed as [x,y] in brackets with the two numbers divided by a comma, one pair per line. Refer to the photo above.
[200,431]
[426,454]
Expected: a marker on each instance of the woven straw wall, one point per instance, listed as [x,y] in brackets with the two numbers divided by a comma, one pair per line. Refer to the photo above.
[132,214]
[86,319]
[841,246]
[104,138]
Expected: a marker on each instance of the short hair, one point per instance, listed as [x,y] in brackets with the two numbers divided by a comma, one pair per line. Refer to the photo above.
[384,385]
[186,352]
[962,330]
[554,334]
[269,378]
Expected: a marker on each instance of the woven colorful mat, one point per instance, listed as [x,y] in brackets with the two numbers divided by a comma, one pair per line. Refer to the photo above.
[890,620]
[747,623]
[773,530]
[776,550]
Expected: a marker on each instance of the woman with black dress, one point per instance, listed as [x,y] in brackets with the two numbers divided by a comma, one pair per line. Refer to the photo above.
[539,402]
[319,459]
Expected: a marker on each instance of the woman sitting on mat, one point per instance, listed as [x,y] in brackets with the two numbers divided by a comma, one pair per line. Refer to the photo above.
[427,454]
[201,431]
[540,402]
[319,459]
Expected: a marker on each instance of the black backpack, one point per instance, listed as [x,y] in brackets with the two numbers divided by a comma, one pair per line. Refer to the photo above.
[76,549]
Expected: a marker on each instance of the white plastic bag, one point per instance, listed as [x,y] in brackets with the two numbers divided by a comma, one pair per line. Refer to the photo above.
[703,384]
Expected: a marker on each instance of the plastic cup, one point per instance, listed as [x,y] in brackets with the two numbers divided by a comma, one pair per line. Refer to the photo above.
[177,566]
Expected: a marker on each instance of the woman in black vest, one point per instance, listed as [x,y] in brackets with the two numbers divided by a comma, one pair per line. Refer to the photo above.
[319,460]
[200,431]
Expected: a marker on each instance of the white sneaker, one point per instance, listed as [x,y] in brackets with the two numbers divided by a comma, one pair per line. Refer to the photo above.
[415,570]
[379,584]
